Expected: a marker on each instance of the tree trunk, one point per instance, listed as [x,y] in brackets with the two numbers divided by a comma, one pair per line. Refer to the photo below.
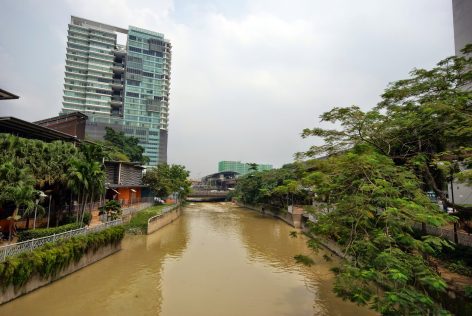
[11,226]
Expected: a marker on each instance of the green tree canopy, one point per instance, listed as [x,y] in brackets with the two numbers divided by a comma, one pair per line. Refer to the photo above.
[423,122]
[166,179]
[127,144]
[374,205]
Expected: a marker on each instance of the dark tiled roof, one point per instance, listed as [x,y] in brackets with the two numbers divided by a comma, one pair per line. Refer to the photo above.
[15,126]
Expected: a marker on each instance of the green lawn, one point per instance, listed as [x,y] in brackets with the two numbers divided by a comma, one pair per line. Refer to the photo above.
[138,223]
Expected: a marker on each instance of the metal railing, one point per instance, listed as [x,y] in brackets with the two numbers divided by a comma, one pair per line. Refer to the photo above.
[29,245]
[164,211]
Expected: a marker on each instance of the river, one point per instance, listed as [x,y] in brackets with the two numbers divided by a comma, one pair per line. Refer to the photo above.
[217,259]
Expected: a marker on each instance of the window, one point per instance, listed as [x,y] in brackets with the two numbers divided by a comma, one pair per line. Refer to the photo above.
[132,94]
[135,49]
[133,82]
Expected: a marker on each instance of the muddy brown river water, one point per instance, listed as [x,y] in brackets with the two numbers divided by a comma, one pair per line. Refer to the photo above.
[217,259]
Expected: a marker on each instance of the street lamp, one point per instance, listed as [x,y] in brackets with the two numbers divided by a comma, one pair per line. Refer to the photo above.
[40,196]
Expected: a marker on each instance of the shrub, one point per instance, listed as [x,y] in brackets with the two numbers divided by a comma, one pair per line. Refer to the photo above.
[43,232]
[460,268]
[51,258]
[112,209]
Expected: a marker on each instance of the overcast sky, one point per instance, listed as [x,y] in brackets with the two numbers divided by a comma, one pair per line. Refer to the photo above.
[247,76]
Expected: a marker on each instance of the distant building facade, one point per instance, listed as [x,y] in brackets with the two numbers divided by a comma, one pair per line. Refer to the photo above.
[462,14]
[240,167]
[125,87]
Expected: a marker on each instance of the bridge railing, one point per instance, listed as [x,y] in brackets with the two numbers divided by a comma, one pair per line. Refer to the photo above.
[208,193]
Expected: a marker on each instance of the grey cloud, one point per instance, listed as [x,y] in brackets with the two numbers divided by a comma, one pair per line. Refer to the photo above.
[247,76]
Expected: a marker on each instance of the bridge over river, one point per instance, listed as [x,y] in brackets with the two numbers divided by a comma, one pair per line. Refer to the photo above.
[207,196]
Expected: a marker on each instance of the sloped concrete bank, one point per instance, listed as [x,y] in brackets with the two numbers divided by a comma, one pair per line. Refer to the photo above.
[157,222]
[36,282]
[294,220]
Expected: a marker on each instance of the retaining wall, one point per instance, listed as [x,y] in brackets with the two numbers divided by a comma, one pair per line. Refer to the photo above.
[293,220]
[157,222]
[10,293]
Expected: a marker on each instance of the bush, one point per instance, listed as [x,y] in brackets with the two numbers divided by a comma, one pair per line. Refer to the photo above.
[460,268]
[43,232]
[51,258]
[112,209]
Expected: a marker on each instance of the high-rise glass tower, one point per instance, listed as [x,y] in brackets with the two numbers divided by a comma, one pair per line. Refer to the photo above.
[240,167]
[125,87]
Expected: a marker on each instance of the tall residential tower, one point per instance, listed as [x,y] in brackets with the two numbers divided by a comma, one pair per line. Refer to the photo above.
[125,87]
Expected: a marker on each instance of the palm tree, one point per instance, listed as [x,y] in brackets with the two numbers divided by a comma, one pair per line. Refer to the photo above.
[18,189]
[86,180]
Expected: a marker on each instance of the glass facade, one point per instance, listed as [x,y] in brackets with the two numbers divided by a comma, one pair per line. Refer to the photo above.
[240,167]
[124,87]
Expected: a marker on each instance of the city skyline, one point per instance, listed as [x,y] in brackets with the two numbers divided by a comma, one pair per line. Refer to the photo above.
[247,76]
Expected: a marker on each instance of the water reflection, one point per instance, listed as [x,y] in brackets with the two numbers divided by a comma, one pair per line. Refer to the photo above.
[217,259]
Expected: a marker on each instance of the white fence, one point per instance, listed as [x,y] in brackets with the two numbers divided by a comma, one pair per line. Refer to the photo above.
[29,245]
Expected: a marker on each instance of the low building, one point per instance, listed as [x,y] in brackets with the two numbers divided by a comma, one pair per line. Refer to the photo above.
[222,181]
[20,128]
[72,124]
[125,182]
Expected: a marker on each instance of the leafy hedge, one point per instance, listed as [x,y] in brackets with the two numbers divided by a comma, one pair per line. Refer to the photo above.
[43,232]
[51,258]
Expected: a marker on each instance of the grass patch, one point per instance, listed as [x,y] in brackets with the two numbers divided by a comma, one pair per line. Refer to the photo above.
[138,223]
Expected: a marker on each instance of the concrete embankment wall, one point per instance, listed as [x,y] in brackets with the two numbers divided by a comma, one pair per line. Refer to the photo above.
[285,216]
[296,222]
[157,222]
[10,293]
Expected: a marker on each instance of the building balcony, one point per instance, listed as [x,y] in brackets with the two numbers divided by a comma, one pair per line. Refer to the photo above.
[118,68]
[116,101]
[117,84]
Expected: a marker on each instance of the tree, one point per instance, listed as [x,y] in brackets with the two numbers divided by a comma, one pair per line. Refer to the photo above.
[274,188]
[374,206]
[423,122]
[252,167]
[166,179]
[48,163]
[127,144]
[112,209]
[87,181]
[18,189]
[377,166]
